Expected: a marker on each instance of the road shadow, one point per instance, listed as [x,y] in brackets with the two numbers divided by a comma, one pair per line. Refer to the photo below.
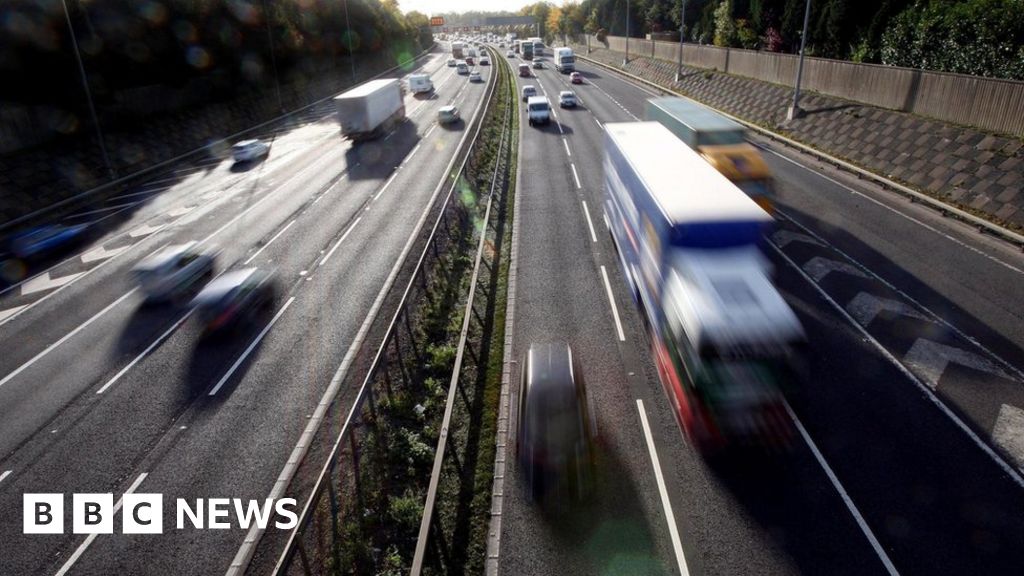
[376,159]
[247,165]
[215,354]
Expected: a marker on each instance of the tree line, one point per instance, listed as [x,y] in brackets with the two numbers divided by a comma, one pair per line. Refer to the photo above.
[980,37]
[231,45]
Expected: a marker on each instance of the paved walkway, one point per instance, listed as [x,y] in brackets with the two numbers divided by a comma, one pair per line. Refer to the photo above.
[979,172]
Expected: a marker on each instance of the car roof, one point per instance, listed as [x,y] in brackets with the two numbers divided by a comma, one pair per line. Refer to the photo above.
[566,93]
[536,100]
[224,284]
[529,87]
[448,108]
[245,143]
[163,257]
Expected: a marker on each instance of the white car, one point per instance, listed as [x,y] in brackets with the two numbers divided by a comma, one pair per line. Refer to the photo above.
[510,54]
[538,62]
[485,61]
[475,76]
[451,62]
[249,150]
[447,114]
[567,99]
[173,271]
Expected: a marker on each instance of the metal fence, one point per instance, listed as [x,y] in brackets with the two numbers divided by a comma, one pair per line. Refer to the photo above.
[315,546]
[986,103]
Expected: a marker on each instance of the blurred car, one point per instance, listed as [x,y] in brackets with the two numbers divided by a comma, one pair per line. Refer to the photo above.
[485,61]
[447,114]
[234,298]
[538,62]
[469,60]
[528,91]
[248,150]
[173,271]
[567,99]
[451,62]
[555,425]
[510,54]
[576,78]
[475,76]
[43,241]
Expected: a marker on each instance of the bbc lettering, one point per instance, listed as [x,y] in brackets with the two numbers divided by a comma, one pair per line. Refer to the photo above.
[144,513]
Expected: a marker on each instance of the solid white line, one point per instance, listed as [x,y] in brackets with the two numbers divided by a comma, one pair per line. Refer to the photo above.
[925,389]
[252,346]
[414,151]
[566,143]
[385,187]
[897,212]
[599,125]
[575,175]
[271,241]
[427,133]
[590,223]
[611,300]
[842,494]
[145,352]
[107,209]
[84,545]
[340,240]
[5,474]
[559,125]
[673,531]
[67,336]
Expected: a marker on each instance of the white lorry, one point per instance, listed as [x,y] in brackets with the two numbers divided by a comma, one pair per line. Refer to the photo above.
[420,83]
[370,109]
[538,109]
[565,61]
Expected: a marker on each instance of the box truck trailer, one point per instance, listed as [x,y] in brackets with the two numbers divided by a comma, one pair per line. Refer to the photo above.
[370,109]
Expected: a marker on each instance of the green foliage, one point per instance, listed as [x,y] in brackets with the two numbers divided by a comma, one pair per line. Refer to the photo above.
[725,26]
[746,35]
[405,512]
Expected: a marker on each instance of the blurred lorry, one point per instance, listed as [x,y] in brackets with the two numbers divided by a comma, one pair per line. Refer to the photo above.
[726,344]
[565,62]
[525,49]
[458,49]
[720,141]
[370,109]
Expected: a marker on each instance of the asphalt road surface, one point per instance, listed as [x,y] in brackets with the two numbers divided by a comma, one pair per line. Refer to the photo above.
[909,456]
[99,393]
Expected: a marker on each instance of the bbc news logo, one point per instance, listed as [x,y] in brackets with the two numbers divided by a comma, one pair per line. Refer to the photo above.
[144,513]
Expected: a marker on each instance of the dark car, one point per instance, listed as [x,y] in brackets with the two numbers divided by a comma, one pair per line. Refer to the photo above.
[555,428]
[234,298]
[43,241]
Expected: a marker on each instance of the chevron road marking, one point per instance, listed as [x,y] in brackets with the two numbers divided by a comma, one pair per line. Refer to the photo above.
[784,237]
[1008,433]
[101,253]
[864,307]
[44,282]
[928,359]
[818,267]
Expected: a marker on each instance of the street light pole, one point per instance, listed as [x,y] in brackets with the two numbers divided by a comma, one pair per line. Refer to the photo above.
[682,32]
[88,94]
[794,110]
[348,35]
[273,57]
[626,59]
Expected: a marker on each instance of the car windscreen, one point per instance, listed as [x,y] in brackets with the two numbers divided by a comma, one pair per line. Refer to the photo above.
[538,106]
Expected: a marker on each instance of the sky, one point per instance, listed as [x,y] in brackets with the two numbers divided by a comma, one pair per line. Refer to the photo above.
[438,6]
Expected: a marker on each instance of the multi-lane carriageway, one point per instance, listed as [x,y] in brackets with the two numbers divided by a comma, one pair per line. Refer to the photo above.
[909,431]
[101,394]
[910,449]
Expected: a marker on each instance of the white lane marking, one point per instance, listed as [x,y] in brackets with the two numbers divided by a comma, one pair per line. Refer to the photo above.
[251,347]
[101,253]
[414,151]
[865,307]
[145,352]
[928,359]
[844,495]
[89,539]
[783,237]
[610,97]
[670,518]
[908,297]
[44,282]
[819,267]
[611,301]
[566,144]
[897,212]
[559,126]
[1008,432]
[98,210]
[66,337]
[180,211]
[5,314]
[981,444]
[427,133]
[590,223]
[554,114]
[5,474]
[340,240]
[575,176]
[144,230]
[599,125]
[271,241]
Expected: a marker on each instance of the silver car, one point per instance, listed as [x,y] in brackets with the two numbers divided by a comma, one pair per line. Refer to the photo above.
[173,271]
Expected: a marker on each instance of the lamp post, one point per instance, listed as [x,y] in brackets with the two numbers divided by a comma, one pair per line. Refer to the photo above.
[794,110]
[88,94]
[273,57]
[682,32]
[626,59]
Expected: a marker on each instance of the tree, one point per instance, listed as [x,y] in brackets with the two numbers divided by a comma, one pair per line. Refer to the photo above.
[725,26]
[592,25]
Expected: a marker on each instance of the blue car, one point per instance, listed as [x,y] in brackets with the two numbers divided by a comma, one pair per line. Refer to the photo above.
[43,241]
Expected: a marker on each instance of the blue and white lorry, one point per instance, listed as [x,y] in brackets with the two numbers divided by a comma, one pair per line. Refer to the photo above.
[725,342]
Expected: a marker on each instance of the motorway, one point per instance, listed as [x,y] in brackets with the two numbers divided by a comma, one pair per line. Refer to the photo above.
[99,393]
[910,453]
